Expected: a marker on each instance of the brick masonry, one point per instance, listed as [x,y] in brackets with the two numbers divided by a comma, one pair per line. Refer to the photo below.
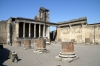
[41,43]
[67,47]
[27,42]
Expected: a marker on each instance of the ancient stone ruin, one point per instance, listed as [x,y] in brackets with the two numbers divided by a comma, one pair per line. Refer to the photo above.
[40,46]
[67,54]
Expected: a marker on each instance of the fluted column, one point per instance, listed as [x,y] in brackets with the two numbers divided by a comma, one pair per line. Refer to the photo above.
[29,30]
[34,30]
[39,30]
[23,30]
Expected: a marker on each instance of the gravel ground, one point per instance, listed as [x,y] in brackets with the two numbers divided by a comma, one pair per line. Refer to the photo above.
[89,55]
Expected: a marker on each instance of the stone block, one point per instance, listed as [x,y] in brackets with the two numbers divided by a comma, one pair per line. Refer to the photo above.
[41,46]
[41,43]
[18,43]
[67,54]
[87,40]
[67,47]
[27,44]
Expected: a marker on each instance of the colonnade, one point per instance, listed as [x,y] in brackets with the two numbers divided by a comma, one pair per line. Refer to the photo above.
[32,29]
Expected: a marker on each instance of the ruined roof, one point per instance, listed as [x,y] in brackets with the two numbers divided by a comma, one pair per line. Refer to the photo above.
[73,20]
[42,8]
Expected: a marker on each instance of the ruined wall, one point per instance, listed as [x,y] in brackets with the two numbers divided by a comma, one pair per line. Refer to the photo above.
[3,34]
[69,33]
[97,33]
[80,33]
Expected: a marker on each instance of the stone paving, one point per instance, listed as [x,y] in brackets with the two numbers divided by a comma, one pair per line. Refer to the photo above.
[89,55]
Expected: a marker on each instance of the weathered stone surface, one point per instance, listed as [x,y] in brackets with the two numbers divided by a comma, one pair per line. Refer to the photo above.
[87,40]
[67,54]
[41,46]
[41,43]
[18,43]
[72,40]
[67,47]
[3,34]
[27,44]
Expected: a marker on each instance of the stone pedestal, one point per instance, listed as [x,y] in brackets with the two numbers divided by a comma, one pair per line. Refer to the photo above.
[27,44]
[67,54]
[18,43]
[40,46]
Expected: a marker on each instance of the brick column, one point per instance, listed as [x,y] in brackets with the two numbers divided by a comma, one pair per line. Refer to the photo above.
[41,46]
[34,30]
[23,30]
[67,47]
[27,44]
[29,30]
[67,54]
[39,30]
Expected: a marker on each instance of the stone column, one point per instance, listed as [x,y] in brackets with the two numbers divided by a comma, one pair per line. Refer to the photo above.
[27,44]
[41,46]
[34,30]
[67,54]
[17,29]
[39,30]
[29,30]
[44,30]
[48,32]
[23,30]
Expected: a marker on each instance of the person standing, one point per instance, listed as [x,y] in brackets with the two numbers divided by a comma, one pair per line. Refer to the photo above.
[14,57]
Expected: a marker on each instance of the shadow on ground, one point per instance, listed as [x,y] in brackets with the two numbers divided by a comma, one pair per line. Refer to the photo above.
[3,55]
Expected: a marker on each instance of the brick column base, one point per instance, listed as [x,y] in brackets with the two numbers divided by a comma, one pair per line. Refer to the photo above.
[67,54]
[40,46]
[18,43]
[27,44]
